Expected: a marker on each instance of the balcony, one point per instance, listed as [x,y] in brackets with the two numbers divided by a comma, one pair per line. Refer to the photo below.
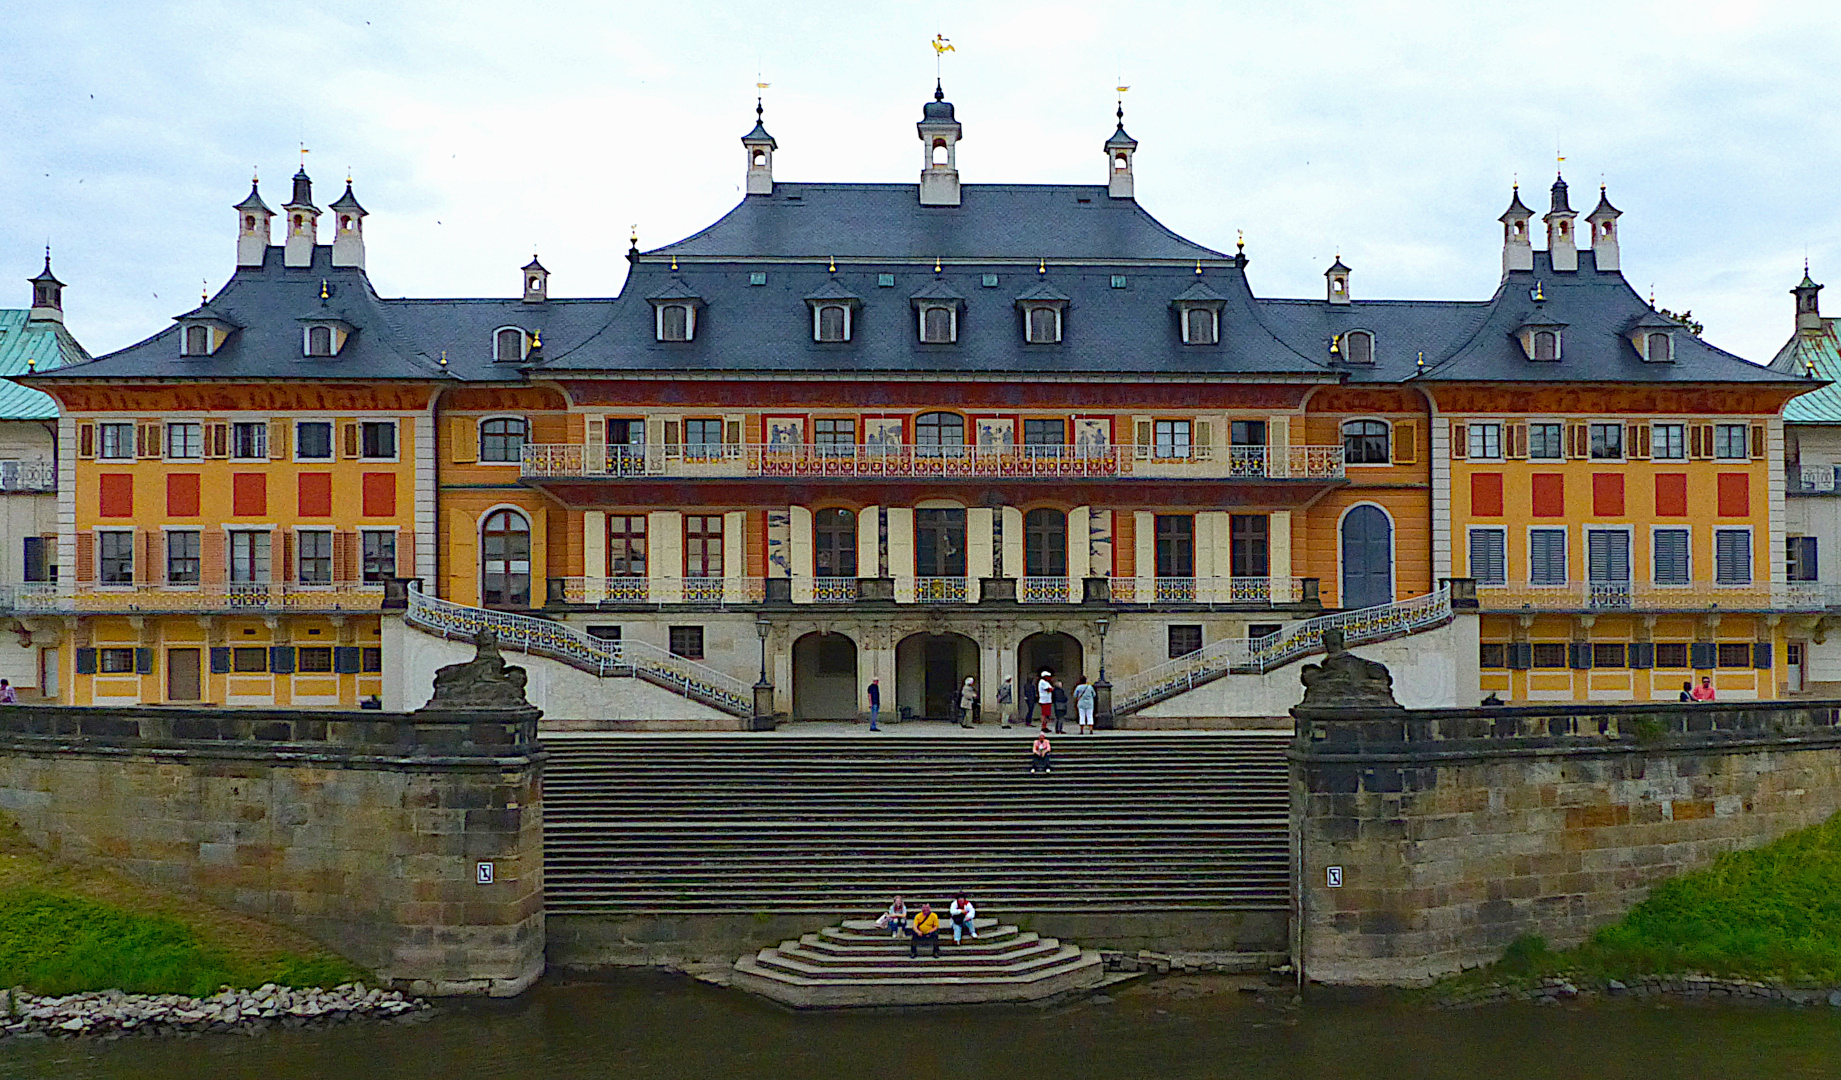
[928,591]
[1810,481]
[250,599]
[551,461]
[28,475]
[1598,596]
[1214,591]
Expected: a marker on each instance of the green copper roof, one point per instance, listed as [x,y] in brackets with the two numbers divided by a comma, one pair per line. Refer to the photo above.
[50,345]
[1813,351]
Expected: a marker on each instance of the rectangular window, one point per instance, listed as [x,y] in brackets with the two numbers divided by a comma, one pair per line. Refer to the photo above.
[1044,438]
[371,659]
[1672,654]
[379,556]
[185,441]
[1607,554]
[1732,442]
[313,659]
[1670,561]
[626,545]
[1485,440]
[1249,536]
[1489,556]
[1608,655]
[249,441]
[836,435]
[501,439]
[1246,432]
[247,659]
[182,558]
[1175,540]
[1259,630]
[687,641]
[702,546]
[1550,654]
[1171,439]
[1801,562]
[115,558]
[1547,556]
[1492,654]
[115,441]
[702,438]
[314,559]
[38,555]
[115,661]
[377,439]
[313,440]
[1607,442]
[1668,442]
[1546,442]
[249,556]
[604,633]
[1185,640]
[1734,654]
[1732,556]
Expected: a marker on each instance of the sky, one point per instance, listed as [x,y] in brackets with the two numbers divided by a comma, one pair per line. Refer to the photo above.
[479,133]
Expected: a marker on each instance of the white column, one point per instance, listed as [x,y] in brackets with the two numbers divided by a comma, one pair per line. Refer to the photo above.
[1278,446]
[799,540]
[990,675]
[1441,500]
[979,554]
[427,539]
[869,544]
[1223,543]
[1013,544]
[665,562]
[1080,546]
[1278,556]
[735,555]
[594,555]
[1144,540]
[1205,530]
[901,552]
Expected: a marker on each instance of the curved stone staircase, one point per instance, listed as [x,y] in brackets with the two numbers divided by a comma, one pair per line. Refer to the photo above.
[857,964]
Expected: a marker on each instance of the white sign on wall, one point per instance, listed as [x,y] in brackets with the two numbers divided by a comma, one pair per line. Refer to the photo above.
[1334,874]
[482,873]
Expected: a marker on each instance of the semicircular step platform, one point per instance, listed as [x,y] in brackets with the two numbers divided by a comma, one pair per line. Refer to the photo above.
[857,964]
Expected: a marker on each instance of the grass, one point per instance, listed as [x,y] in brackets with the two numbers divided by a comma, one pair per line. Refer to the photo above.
[66,929]
[1771,913]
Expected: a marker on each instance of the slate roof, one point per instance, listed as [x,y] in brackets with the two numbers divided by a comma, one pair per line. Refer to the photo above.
[1817,350]
[48,343]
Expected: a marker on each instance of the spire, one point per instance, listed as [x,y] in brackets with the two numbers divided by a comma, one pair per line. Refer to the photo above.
[303,226]
[253,226]
[760,147]
[1603,220]
[1517,243]
[1559,196]
[47,294]
[1119,151]
[348,229]
[1808,306]
[1562,251]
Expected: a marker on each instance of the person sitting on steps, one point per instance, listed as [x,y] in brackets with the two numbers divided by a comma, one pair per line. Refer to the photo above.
[1038,755]
[895,919]
[962,913]
[926,928]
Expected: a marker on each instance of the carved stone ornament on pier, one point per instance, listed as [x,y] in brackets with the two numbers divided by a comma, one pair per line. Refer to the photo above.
[1346,681]
[484,682]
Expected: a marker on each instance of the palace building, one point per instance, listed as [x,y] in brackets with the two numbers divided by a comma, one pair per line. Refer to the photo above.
[920,432]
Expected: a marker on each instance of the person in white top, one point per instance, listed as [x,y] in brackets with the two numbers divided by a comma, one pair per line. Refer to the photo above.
[895,918]
[1083,703]
[962,913]
[1045,697]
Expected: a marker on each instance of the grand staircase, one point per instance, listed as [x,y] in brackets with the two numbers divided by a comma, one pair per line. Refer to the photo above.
[836,824]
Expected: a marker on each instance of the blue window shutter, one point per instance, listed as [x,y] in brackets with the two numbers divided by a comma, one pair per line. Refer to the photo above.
[86,661]
[220,660]
[1521,655]
[281,659]
[1702,656]
[345,660]
[143,661]
[1642,654]
[1761,655]
[1581,655]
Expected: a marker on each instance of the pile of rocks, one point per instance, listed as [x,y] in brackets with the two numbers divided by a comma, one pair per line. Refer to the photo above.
[1555,989]
[112,1014]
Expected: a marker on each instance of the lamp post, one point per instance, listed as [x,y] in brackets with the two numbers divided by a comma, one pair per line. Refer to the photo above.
[763,689]
[1102,690]
[1103,623]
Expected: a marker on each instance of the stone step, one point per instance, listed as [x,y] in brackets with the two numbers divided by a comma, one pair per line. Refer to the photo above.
[947,965]
[921,982]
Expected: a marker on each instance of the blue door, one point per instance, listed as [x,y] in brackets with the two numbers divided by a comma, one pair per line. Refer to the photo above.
[1367,558]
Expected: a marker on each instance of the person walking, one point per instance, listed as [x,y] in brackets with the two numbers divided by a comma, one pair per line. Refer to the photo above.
[1006,696]
[1061,705]
[926,928]
[1045,698]
[894,919]
[962,913]
[1704,692]
[968,702]
[1083,705]
[875,702]
[1039,755]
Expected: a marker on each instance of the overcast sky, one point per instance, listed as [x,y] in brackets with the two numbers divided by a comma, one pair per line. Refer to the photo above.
[480,132]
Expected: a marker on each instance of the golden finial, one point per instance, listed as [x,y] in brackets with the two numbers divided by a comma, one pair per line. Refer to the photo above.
[1042,265]
[634,239]
[31,364]
[255,176]
[674,264]
[204,291]
[936,264]
[536,340]
[324,291]
[1335,344]
[834,264]
[1538,294]
[1198,266]
[1240,239]
[1421,363]
[443,359]
[1652,292]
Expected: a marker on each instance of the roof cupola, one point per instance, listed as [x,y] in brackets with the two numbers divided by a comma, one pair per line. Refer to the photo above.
[1119,151]
[1603,220]
[1517,244]
[253,227]
[1808,308]
[303,223]
[1562,247]
[348,229]
[47,295]
[939,134]
[1338,276]
[760,147]
[536,281]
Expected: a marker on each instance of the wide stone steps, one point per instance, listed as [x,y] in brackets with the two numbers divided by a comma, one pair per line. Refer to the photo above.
[664,824]
[858,964]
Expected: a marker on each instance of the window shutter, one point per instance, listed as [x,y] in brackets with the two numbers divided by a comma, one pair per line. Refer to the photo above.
[1578,441]
[1517,436]
[1761,650]
[152,570]
[1204,442]
[86,661]
[1671,557]
[1460,440]
[597,430]
[1703,441]
[732,432]
[86,440]
[1758,443]
[1487,563]
[211,557]
[348,435]
[1406,442]
[86,557]
[281,659]
[147,439]
[673,444]
[1521,655]
[1579,655]
[345,660]
[344,557]
[143,661]
[406,554]
[281,556]
[1632,438]
[278,439]
[1144,438]
[1703,655]
[217,440]
[220,660]
[1642,654]
[1608,557]
[463,434]
[1642,445]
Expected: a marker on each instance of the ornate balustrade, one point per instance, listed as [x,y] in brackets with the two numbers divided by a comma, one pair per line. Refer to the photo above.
[1594,596]
[1208,590]
[712,591]
[256,598]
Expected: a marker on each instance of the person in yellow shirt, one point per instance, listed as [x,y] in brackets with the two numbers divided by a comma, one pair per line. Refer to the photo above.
[926,928]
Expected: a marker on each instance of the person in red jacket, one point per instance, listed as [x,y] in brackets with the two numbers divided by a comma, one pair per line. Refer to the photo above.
[1704,692]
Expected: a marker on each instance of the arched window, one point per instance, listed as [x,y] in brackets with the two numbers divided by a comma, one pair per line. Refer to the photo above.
[1044,326]
[674,322]
[940,156]
[935,432]
[1199,326]
[1546,345]
[1121,162]
[508,345]
[319,341]
[502,439]
[937,325]
[833,323]
[505,560]
[197,340]
[249,223]
[1364,442]
[1045,544]
[760,159]
[1659,348]
[834,546]
[1358,347]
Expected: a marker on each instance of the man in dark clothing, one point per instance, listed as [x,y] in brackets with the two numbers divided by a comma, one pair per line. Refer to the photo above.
[875,702]
[1061,705]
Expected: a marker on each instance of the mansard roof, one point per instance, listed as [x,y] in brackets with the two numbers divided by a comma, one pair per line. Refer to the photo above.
[1813,356]
[24,345]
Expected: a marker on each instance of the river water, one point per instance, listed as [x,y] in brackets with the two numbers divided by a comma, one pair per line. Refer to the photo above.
[655,1026]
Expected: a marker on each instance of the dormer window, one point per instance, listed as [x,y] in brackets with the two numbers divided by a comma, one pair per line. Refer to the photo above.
[1201,326]
[508,345]
[676,322]
[1358,347]
[939,324]
[197,340]
[1659,347]
[1043,325]
[203,330]
[319,341]
[324,335]
[1540,339]
[831,322]
[1546,345]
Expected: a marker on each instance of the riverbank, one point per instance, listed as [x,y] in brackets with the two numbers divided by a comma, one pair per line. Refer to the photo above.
[113,1014]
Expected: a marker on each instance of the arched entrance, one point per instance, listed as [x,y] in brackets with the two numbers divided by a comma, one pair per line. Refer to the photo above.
[825,677]
[1367,558]
[930,668]
[1054,652]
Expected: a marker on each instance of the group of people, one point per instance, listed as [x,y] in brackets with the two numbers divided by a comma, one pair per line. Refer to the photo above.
[923,926]
[1054,702]
[1703,692]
